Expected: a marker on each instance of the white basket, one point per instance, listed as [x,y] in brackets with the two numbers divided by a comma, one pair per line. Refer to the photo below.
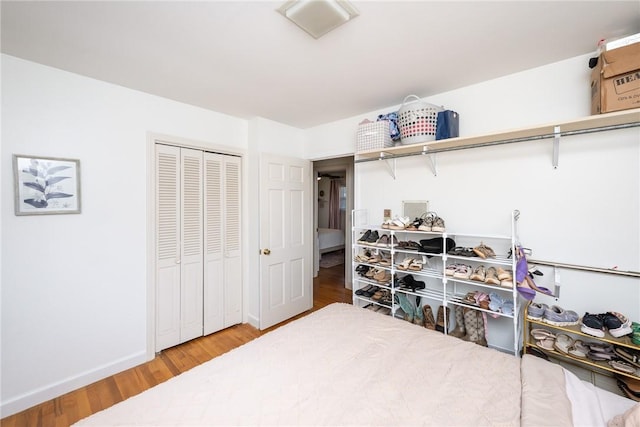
[373,136]
[417,121]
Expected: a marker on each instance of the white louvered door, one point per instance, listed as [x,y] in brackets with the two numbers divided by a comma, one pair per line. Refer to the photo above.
[223,266]
[198,244]
[191,281]
[232,245]
[167,246]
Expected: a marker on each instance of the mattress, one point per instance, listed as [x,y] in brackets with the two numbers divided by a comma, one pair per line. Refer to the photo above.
[344,365]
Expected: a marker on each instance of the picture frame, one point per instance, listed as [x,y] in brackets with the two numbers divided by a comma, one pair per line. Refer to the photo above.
[46,185]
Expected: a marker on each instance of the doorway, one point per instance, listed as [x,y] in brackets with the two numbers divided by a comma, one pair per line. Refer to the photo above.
[333,203]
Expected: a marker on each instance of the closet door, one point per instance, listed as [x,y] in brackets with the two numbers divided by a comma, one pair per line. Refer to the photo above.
[213,238]
[167,246]
[232,242]
[223,264]
[191,279]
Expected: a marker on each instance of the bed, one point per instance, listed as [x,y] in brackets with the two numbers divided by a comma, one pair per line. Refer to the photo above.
[344,365]
[330,239]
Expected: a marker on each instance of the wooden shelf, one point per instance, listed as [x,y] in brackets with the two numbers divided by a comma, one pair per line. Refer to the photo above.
[596,123]
[624,341]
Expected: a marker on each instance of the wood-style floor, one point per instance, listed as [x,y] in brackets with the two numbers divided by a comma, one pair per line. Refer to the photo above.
[65,410]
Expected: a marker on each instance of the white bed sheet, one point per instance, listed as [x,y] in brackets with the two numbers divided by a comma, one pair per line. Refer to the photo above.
[341,365]
[591,405]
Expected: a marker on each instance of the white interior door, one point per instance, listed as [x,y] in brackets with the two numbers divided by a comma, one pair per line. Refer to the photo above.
[286,286]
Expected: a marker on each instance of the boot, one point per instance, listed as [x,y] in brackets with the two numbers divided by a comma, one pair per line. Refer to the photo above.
[482,337]
[474,325]
[418,318]
[429,321]
[459,330]
[443,319]
[406,306]
[470,325]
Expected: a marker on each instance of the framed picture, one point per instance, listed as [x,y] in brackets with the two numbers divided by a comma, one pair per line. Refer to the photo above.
[46,185]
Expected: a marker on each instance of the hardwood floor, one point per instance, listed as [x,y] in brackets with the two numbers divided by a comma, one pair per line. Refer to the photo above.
[65,410]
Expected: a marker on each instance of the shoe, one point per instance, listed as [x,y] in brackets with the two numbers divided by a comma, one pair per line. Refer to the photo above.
[429,320]
[383,241]
[491,276]
[462,272]
[591,324]
[478,274]
[578,350]
[621,366]
[558,316]
[451,269]
[611,321]
[563,342]
[458,331]
[442,319]
[400,223]
[628,355]
[413,284]
[484,251]
[438,225]
[365,236]
[372,238]
[535,311]
[540,334]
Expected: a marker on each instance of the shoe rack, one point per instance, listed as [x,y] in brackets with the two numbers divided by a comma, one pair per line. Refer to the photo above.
[391,266]
[575,333]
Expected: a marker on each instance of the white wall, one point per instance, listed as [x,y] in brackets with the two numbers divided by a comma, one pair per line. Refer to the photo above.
[74,286]
[585,212]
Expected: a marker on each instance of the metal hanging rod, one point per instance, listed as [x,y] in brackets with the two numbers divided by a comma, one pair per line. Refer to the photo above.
[585,268]
[388,155]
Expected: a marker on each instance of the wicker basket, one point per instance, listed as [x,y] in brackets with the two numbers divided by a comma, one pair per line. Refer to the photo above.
[373,136]
[417,121]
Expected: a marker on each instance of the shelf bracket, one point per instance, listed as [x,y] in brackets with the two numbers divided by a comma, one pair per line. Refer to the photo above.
[390,166]
[432,160]
[556,146]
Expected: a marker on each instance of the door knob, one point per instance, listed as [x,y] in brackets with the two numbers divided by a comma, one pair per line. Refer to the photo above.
[266,251]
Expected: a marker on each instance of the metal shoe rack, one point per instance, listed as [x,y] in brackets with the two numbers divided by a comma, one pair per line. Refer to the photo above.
[504,328]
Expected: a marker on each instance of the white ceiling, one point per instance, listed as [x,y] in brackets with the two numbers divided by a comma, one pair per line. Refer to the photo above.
[244,59]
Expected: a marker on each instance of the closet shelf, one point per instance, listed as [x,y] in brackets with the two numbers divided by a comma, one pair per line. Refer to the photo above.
[591,124]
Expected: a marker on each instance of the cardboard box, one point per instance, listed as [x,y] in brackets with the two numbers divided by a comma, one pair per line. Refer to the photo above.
[615,81]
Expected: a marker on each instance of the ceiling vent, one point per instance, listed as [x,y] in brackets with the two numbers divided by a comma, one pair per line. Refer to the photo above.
[318,17]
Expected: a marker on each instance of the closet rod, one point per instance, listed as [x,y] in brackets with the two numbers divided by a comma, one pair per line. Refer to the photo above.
[502,142]
[585,268]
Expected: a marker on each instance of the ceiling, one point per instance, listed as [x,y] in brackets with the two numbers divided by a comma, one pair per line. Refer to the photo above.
[244,59]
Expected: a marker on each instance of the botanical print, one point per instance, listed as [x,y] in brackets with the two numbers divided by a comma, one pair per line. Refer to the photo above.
[46,185]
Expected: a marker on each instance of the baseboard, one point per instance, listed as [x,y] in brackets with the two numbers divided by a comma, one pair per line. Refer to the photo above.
[48,392]
[253,321]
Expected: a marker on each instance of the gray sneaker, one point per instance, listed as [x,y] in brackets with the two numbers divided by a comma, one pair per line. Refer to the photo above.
[535,311]
[558,316]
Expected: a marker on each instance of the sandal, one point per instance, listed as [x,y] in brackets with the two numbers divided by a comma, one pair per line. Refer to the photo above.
[484,251]
[540,334]
[415,265]
[578,349]
[621,366]
[405,264]
[462,272]
[491,276]
[546,343]
[478,274]
[563,343]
